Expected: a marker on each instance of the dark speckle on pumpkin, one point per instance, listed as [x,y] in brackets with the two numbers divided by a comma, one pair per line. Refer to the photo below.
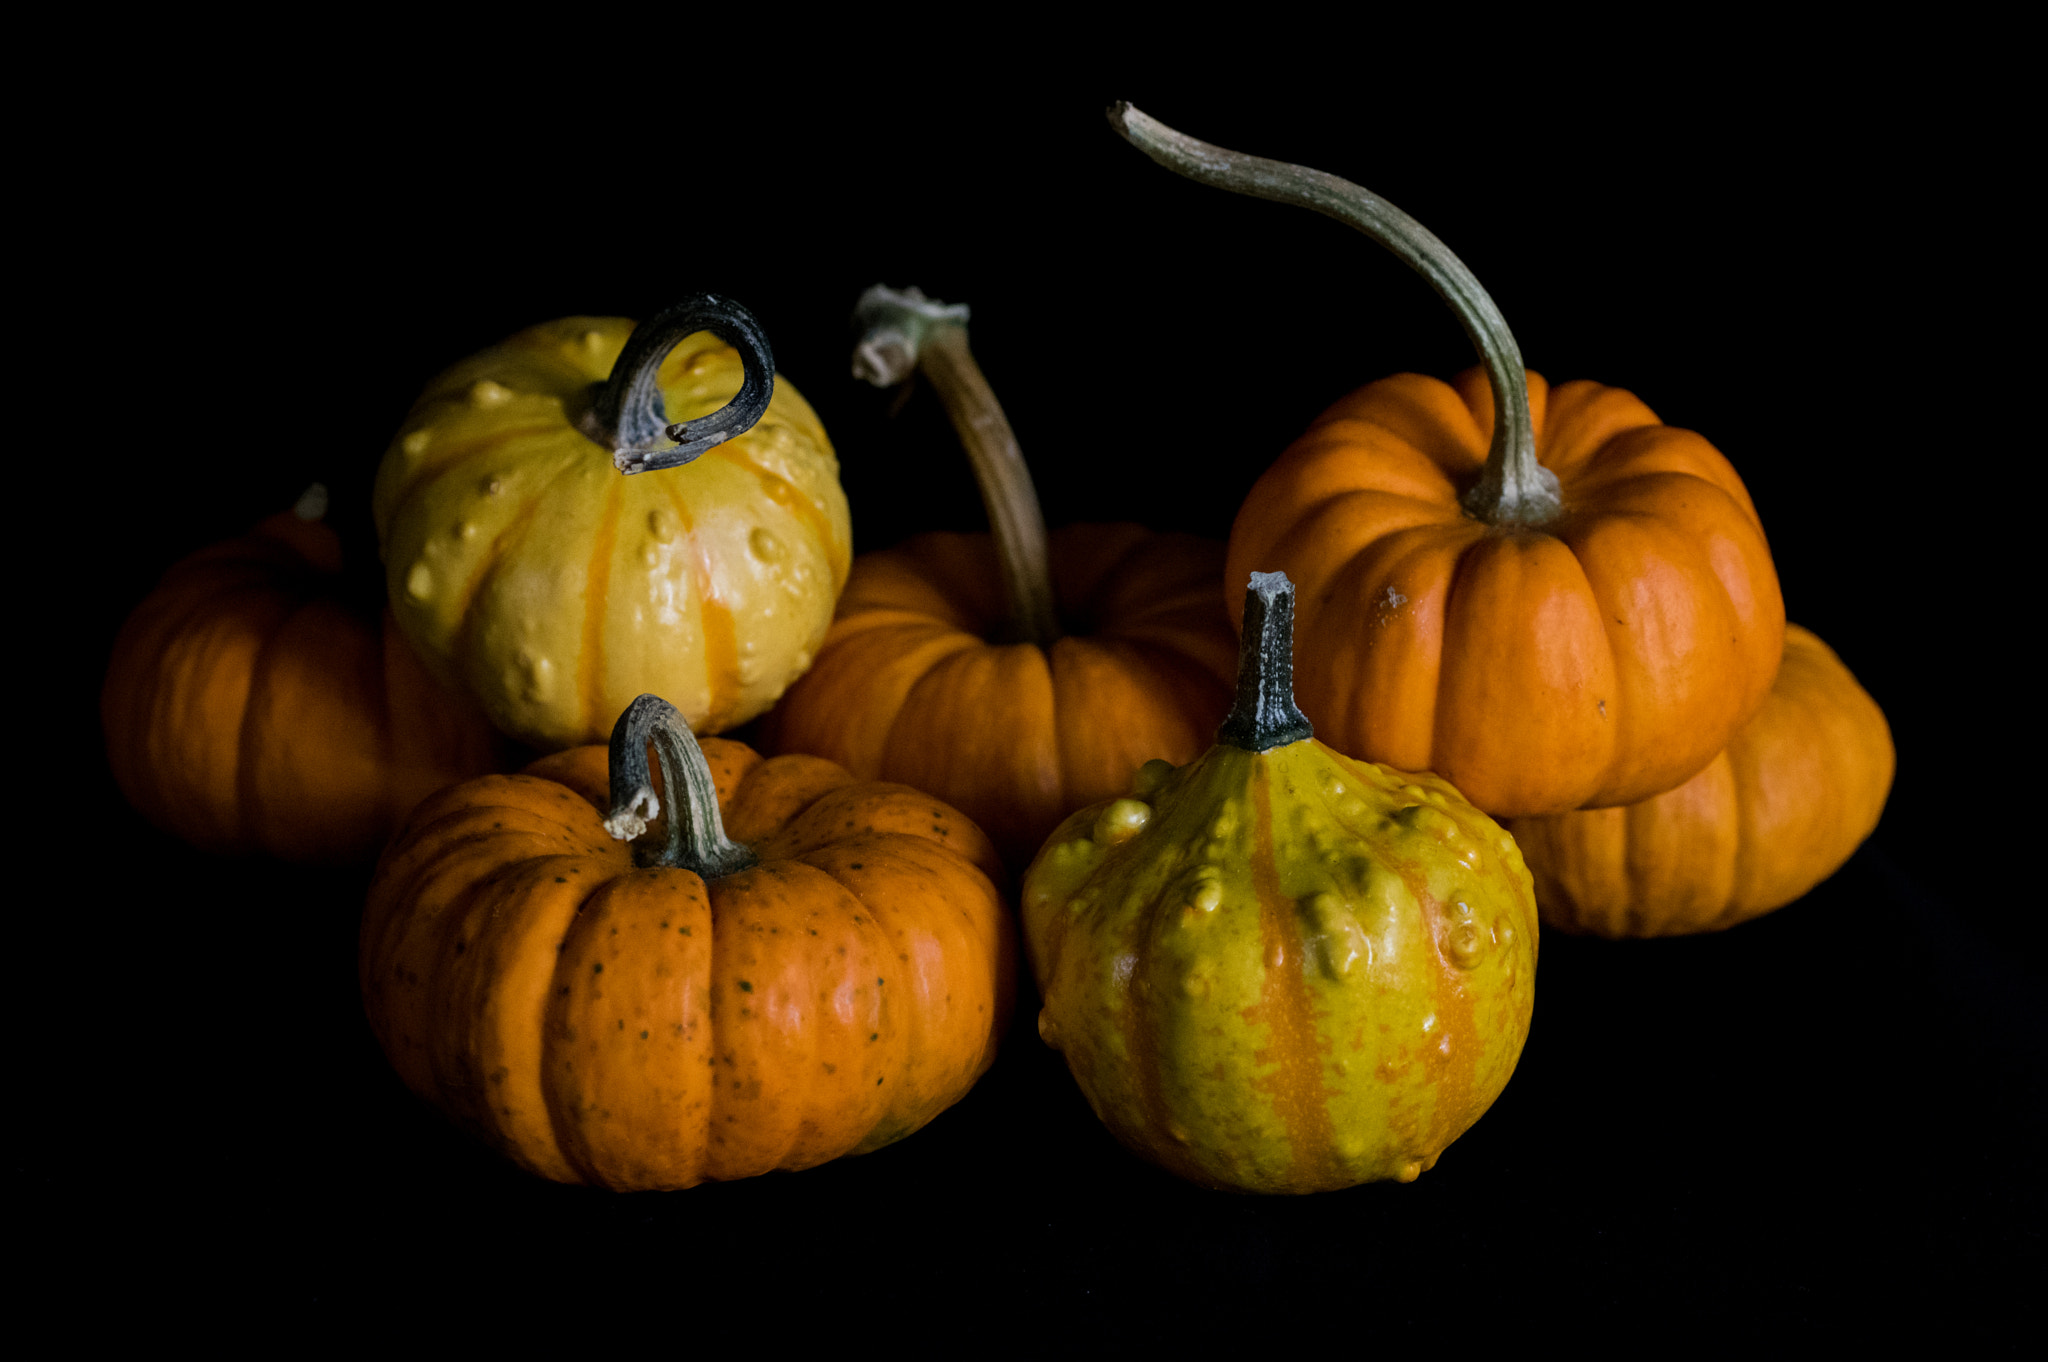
[597,967]
[746,987]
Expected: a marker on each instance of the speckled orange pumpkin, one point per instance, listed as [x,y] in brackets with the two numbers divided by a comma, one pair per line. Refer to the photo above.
[715,1012]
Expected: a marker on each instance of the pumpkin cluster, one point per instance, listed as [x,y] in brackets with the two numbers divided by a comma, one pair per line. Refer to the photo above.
[1486,652]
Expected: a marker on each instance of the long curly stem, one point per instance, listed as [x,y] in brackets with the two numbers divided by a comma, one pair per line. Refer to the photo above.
[902,330]
[1513,489]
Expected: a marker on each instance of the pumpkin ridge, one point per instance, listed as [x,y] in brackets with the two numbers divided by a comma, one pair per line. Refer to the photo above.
[1296,1088]
[246,733]
[597,576]
[180,629]
[582,1140]
[920,1096]
[721,644]
[1514,671]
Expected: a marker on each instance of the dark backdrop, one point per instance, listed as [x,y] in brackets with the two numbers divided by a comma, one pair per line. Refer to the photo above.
[1826,1117]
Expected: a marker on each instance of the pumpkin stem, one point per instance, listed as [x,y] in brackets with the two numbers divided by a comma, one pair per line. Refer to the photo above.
[905,330]
[1264,715]
[696,834]
[626,414]
[1513,489]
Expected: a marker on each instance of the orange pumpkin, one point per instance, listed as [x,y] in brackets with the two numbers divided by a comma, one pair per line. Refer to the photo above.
[1769,818]
[247,707]
[1572,605]
[713,1012]
[1015,675]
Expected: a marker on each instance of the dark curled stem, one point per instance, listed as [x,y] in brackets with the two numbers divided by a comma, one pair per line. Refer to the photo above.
[1264,715]
[696,834]
[626,414]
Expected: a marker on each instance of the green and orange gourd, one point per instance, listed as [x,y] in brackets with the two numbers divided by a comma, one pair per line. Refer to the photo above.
[1277,968]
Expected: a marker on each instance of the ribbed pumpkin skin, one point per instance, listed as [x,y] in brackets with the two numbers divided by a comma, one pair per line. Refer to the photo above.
[1600,660]
[1776,813]
[1306,972]
[528,570]
[908,686]
[247,709]
[644,1028]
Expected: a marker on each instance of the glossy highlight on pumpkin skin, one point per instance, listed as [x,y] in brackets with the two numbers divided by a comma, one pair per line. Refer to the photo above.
[571,588]
[1259,989]
[642,1027]
[1597,660]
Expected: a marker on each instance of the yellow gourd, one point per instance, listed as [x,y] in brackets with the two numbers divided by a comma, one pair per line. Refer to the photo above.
[1279,969]
[526,569]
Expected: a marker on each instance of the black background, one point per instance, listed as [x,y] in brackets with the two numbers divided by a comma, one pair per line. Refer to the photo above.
[1830,1118]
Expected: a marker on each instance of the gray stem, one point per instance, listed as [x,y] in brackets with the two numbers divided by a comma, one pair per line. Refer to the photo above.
[902,330]
[1513,489]
[1264,715]
[696,834]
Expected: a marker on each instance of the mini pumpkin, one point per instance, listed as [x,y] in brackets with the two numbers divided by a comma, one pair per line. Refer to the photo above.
[249,708]
[707,1009]
[1277,968]
[1014,674]
[1772,816]
[527,570]
[1545,595]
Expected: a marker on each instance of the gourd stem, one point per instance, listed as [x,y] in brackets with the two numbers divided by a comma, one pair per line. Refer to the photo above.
[902,330]
[1264,715]
[696,834]
[627,415]
[1513,489]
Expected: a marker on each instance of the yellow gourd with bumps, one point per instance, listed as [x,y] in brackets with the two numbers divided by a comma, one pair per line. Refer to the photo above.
[1276,968]
[526,569]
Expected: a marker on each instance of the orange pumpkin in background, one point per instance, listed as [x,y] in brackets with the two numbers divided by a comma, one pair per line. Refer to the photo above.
[1776,813]
[1544,595]
[1015,675]
[248,708]
[715,1011]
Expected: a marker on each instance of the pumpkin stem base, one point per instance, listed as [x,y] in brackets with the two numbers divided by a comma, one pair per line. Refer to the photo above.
[1264,715]
[696,834]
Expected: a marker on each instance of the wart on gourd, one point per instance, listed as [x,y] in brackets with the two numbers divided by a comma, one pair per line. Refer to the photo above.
[553,588]
[1299,971]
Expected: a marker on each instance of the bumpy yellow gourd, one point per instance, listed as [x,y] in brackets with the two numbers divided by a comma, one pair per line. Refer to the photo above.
[527,569]
[1277,968]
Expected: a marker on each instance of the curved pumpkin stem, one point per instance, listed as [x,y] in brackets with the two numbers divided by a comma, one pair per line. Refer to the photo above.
[626,413]
[905,330]
[1264,715]
[696,834]
[1513,489]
